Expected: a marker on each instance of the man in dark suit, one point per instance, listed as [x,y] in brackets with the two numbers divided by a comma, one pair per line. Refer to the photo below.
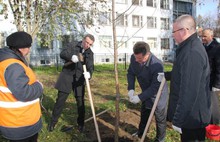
[212,47]
[144,67]
[72,78]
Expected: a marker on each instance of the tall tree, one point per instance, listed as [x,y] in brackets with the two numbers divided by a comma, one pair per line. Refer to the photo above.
[206,21]
[34,16]
[50,16]
[49,19]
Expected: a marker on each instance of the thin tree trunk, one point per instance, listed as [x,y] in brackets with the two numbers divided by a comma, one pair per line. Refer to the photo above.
[116,73]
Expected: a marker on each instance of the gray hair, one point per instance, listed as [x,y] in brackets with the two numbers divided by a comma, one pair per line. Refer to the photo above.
[186,21]
[211,32]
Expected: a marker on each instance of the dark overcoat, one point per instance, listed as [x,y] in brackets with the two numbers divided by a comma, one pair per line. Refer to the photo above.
[72,73]
[189,100]
[213,51]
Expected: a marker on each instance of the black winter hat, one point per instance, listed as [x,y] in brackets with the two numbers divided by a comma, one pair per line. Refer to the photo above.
[19,40]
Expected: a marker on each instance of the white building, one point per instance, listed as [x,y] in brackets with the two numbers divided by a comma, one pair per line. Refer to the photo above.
[137,20]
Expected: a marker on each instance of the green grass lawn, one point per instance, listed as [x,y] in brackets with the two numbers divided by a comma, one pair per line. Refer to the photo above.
[103,90]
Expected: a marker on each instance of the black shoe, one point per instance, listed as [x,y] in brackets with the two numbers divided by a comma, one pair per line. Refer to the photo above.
[81,128]
[51,126]
[66,128]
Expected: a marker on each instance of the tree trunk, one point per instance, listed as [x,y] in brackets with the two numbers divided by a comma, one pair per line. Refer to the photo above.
[116,72]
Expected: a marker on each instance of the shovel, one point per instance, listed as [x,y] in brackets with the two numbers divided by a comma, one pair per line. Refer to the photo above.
[90,96]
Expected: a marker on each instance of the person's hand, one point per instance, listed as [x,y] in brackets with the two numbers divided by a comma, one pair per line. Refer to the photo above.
[160,76]
[130,93]
[177,129]
[87,75]
[74,59]
[135,99]
[215,89]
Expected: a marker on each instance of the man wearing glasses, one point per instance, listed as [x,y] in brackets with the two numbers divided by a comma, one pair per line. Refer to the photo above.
[189,100]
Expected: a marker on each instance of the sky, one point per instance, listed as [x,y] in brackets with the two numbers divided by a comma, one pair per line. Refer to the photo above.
[207,7]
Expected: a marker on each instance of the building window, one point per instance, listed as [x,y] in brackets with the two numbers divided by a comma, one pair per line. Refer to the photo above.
[121,59]
[105,41]
[122,41]
[122,20]
[137,2]
[165,43]
[151,22]
[136,39]
[164,23]
[152,42]
[104,18]
[105,60]
[121,1]
[45,62]
[180,8]
[152,3]
[164,4]
[137,21]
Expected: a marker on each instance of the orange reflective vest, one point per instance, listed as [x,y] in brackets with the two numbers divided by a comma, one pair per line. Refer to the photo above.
[14,113]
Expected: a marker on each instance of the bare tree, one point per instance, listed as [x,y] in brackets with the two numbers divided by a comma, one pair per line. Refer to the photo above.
[217,29]
[117,116]
[208,20]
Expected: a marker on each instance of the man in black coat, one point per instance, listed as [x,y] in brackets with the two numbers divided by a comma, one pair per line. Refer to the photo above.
[213,50]
[73,78]
[189,100]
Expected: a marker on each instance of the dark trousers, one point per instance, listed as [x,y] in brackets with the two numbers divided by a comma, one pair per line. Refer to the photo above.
[215,114]
[29,139]
[160,117]
[79,92]
[193,135]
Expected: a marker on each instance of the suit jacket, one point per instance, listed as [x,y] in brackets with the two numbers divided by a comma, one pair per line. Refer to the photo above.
[72,73]
[146,76]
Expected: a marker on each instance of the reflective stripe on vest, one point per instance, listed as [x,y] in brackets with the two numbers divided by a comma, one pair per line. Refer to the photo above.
[17,104]
[4,89]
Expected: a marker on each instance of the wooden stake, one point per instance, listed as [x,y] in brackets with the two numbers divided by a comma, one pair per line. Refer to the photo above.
[90,98]
[153,109]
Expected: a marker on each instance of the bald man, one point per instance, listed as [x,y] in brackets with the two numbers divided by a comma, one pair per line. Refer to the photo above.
[213,50]
[189,100]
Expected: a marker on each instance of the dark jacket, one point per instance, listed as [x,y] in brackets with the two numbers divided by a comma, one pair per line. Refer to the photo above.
[147,78]
[213,51]
[73,73]
[189,100]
